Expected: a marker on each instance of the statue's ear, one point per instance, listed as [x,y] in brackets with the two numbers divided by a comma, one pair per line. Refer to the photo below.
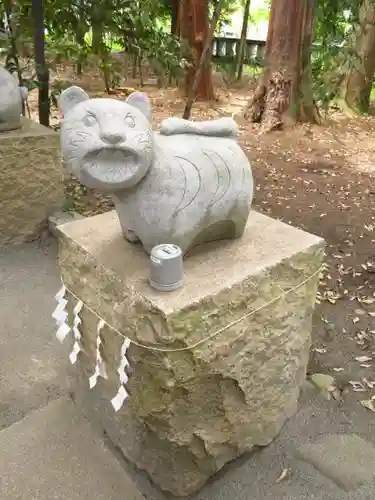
[70,97]
[140,101]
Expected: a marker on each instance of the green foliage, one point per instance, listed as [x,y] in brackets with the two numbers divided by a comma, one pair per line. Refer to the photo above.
[229,8]
[82,30]
[88,31]
[147,38]
[333,54]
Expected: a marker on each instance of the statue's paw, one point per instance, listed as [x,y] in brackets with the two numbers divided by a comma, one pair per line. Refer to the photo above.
[131,236]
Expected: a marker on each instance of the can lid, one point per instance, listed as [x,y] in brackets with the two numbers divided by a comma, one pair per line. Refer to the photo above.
[165,251]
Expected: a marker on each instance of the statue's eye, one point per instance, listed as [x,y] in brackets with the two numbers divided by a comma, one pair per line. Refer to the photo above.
[89,120]
[129,121]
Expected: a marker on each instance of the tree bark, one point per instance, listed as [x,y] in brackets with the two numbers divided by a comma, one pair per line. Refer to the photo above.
[357,85]
[80,37]
[40,62]
[97,37]
[284,91]
[241,46]
[194,29]
[174,17]
[203,60]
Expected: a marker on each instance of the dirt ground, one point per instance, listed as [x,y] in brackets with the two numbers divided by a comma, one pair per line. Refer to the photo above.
[322,180]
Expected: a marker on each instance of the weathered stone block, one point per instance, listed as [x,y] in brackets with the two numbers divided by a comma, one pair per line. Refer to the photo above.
[31,181]
[191,411]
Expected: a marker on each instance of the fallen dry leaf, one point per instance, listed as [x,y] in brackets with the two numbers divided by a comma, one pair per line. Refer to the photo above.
[369,404]
[363,359]
[370,384]
[357,386]
[283,475]
[320,350]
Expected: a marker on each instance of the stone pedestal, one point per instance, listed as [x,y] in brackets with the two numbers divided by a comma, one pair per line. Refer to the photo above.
[31,181]
[192,411]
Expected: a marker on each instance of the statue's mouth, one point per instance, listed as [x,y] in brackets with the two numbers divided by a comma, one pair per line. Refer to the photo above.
[110,167]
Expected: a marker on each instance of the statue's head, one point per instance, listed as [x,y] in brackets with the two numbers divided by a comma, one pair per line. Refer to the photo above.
[11,97]
[107,143]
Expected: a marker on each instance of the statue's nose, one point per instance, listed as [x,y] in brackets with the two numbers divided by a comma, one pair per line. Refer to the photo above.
[112,136]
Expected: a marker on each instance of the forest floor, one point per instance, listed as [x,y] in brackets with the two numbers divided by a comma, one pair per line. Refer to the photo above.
[320,179]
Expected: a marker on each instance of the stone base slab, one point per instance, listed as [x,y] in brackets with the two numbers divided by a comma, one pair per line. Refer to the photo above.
[347,459]
[191,411]
[59,218]
[31,181]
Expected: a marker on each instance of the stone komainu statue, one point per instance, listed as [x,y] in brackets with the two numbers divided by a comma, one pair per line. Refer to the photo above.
[187,184]
[11,97]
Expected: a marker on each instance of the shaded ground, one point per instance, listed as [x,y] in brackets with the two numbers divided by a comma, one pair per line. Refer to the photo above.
[320,179]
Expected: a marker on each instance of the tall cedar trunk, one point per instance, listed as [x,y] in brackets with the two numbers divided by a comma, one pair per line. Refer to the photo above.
[40,62]
[241,46]
[194,29]
[358,83]
[284,90]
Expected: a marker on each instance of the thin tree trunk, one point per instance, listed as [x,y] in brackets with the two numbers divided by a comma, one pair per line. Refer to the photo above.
[81,43]
[284,90]
[206,52]
[174,17]
[140,69]
[241,46]
[135,64]
[356,88]
[81,37]
[40,62]
[97,36]
[194,29]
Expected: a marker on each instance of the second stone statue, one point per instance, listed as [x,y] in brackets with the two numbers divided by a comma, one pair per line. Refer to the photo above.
[188,184]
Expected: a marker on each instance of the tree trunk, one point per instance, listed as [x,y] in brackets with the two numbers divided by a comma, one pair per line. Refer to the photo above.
[194,29]
[40,62]
[174,17]
[241,46]
[356,90]
[284,91]
[97,36]
[80,38]
[203,60]
[97,28]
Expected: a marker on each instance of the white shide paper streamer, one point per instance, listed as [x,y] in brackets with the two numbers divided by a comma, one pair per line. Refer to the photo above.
[61,316]
[100,370]
[122,393]
[77,334]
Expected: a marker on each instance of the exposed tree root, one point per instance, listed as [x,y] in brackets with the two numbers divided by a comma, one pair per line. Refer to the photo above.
[348,111]
[270,102]
[270,105]
[310,113]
